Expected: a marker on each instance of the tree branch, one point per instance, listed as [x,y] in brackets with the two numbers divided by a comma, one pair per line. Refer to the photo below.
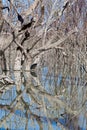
[54,45]
[32,7]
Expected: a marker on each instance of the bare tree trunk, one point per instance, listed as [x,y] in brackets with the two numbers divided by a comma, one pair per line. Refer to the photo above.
[1,18]
[1,23]
[0,9]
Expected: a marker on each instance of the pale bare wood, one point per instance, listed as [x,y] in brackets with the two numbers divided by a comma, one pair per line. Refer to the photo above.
[32,7]
[54,45]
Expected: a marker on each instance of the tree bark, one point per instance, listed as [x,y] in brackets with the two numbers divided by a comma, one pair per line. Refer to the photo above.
[1,18]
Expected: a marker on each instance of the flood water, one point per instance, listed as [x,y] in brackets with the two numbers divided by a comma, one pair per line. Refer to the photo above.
[43,102]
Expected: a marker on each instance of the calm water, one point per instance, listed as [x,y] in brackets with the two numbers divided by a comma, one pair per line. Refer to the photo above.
[46,102]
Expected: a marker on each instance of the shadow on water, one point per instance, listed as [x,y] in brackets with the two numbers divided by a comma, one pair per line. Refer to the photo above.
[45,102]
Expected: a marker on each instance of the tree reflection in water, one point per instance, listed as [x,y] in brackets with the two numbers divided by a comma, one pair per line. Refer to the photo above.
[44,102]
